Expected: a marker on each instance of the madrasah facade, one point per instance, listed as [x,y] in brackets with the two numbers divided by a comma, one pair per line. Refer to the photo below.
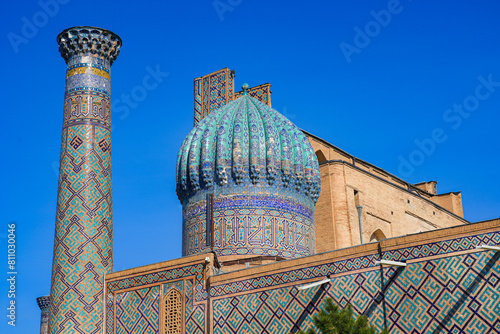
[275,220]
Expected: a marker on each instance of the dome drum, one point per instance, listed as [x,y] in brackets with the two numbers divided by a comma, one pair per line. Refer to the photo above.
[250,225]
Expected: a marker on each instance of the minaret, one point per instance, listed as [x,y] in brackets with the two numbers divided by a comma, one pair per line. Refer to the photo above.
[83,242]
[43,303]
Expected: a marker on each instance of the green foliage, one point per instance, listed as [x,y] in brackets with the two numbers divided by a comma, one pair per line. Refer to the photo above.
[334,320]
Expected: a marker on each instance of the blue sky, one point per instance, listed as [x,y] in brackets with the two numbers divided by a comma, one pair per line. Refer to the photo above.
[387,81]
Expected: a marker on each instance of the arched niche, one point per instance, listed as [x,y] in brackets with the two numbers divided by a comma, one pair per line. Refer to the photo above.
[321,156]
[377,236]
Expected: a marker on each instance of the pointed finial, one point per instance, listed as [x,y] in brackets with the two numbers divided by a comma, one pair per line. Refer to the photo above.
[245,88]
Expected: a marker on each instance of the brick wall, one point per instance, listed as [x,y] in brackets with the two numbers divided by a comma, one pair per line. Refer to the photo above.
[390,206]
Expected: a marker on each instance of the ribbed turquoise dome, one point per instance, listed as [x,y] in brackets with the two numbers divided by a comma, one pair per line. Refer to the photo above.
[247,143]
[263,176]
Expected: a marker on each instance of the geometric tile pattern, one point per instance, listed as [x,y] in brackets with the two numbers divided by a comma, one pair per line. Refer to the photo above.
[216,89]
[260,92]
[287,309]
[442,247]
[269,281]
[257,225]
[451,294]
[137,311]
[194,293]
[83,237]
[44,304]
[458,294]
[195,270]
[211,92]
[194,314]
[110,313]
[343,266]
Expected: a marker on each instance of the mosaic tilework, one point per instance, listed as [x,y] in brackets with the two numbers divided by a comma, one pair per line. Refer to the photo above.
[286,309]
[247,147]
[137,311]
[195,314]
[83,238]
[451,294]
[214,90]
[260,92]
[44,304]
[459,294]
[198,111]
[179,285]
[251,225]
[442,247]
[356,263]
[82,81]
[195,293]
[269,281]
[160,276]
[110,313]
[248,150]
[211,92]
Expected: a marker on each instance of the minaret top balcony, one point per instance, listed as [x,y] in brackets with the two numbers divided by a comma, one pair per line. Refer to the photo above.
[86,40]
